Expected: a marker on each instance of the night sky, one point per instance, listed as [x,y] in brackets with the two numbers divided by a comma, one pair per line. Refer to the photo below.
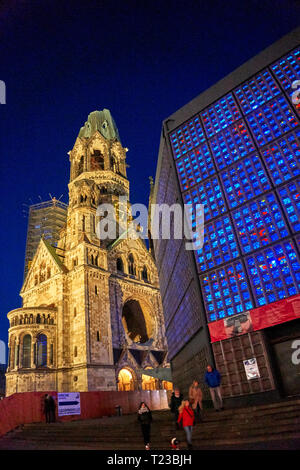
[141,59]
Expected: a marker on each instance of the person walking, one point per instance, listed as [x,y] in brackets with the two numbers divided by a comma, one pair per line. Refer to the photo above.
[47,408]
[213,380]
[187,416]
[52,406]
[145,419]
[195,398]
[175,402]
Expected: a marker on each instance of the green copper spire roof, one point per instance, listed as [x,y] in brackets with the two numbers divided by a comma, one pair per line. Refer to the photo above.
[101,121]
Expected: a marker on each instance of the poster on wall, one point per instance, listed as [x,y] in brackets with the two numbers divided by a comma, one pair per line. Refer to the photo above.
[251,369]
[68,404]
[257,319]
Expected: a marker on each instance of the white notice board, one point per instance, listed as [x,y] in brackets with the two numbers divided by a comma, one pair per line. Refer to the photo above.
[251,369]
[68,404]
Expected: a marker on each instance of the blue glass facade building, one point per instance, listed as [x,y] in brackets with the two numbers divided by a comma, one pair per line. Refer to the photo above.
[239,156]
[235,157]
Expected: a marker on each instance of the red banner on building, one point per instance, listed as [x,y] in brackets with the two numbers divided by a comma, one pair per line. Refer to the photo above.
[256,319]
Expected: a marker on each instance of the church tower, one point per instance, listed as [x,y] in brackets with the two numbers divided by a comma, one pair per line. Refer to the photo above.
[92,315]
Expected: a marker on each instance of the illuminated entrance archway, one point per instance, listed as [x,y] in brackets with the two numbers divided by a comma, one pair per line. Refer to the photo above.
[125,381]
[148,382]
[167,385]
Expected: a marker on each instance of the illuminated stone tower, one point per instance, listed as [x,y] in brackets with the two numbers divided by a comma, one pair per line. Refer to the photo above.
[92,314]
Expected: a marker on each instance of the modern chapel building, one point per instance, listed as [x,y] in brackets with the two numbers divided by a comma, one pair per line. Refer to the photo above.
[235,302]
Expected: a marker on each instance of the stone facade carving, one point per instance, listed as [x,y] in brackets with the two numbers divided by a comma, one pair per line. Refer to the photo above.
[90,308]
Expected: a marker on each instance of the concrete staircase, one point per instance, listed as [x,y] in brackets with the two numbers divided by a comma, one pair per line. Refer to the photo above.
[270,426]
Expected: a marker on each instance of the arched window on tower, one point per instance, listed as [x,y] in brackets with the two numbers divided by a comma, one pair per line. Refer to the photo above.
[120,265]
[16,355]
[131,265]
[41,350]
[145,274]
[11,353]
[113,164]
[97,161]
[80,165]
[26,351]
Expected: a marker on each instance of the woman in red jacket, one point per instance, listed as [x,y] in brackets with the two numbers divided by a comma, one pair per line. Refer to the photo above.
[186,414]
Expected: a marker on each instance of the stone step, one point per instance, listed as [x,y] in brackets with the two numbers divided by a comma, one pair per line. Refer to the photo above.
[210,417]
[290,427]
[138,445]
[271,422]
[237,414]
[205,428]
[199,434]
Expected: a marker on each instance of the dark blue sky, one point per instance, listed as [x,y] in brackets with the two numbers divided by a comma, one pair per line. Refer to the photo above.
[141,59]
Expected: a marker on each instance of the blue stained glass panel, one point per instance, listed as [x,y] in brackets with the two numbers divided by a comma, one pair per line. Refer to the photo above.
[287,70]
[260,223]
[274,273]
[219,245]
[231,145]
[209,194]
[220,115]
[245,180]
[186,137]
[195,167]
[272,120]
[282,157]
[229,173]
[226,292]
[290,198]
[256,91]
